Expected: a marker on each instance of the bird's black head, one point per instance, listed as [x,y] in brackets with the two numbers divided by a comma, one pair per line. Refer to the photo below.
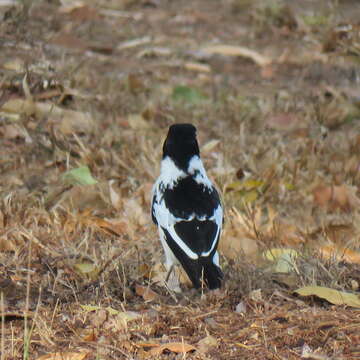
[181,144]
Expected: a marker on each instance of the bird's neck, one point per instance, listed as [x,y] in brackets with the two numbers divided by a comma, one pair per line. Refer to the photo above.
[171,173]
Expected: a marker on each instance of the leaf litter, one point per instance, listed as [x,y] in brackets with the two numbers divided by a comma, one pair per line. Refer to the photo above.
[276,103]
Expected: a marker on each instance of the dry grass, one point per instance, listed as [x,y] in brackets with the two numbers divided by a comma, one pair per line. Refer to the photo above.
[288,131]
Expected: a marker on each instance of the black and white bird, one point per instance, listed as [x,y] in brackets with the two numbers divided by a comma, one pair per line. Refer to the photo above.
[186,208]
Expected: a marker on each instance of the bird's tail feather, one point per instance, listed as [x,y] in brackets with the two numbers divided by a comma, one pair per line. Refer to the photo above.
[210,272]
[205,270]
[199,269]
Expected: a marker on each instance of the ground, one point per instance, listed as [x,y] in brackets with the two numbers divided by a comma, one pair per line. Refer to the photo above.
[87,92]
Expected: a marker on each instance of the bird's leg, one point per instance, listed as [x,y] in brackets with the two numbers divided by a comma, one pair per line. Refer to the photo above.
[202,282]
[172,279]
[169,272]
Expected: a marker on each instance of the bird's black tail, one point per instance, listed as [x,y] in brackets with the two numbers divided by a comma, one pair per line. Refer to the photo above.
[198,270]
[210,273]
[204,270]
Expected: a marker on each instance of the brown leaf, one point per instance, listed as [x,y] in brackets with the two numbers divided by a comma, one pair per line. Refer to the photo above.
[231,50]
[68,121]
[117,227]
[12,131]
[284,121]
[207,343]
[69,41]
[7,244]
[336,197]
[239,237]
[210,146]
[144,192]
[10,315]
[232,247]
[288,234]
[88,335]
[2,220]
[115,198]
[137,122]
[70,7]
[341,254]
[84,198]
[136,83]
[267,71]
[134,212]
[331,295]
[146,292]
[68,355]
[15,64]
[81,12]
[322,195]
[176,347]
[199,67]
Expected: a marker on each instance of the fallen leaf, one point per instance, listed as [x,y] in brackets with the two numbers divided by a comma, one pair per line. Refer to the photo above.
[112,311]
[2,220]
[134,42]
[137,122]
[288,234]
[115,227]
[339,253]
[336,197]
[207,343]
[69,41]
[232,247]
[176,347]
[239,236]
[231,50]
[134,212]
[88,269]
[79,176]
[68,121]
[122,315]
[187,94]
[255,295]
[127,316]
[154,51]
[248,185]
[68,355]
[241,307]
[90,308]
[79,11]
[98,318]
[199,67]
[284,259]
[147,345]
[12,131]
[246,191]
[7,244]
[284,121]
[210,146]
[267,71]
[11,315]
[83,198]
[146,292]
[16,64]
[331,295]
[88,335]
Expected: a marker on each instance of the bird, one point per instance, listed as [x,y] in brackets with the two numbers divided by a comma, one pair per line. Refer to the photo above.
[187,209]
